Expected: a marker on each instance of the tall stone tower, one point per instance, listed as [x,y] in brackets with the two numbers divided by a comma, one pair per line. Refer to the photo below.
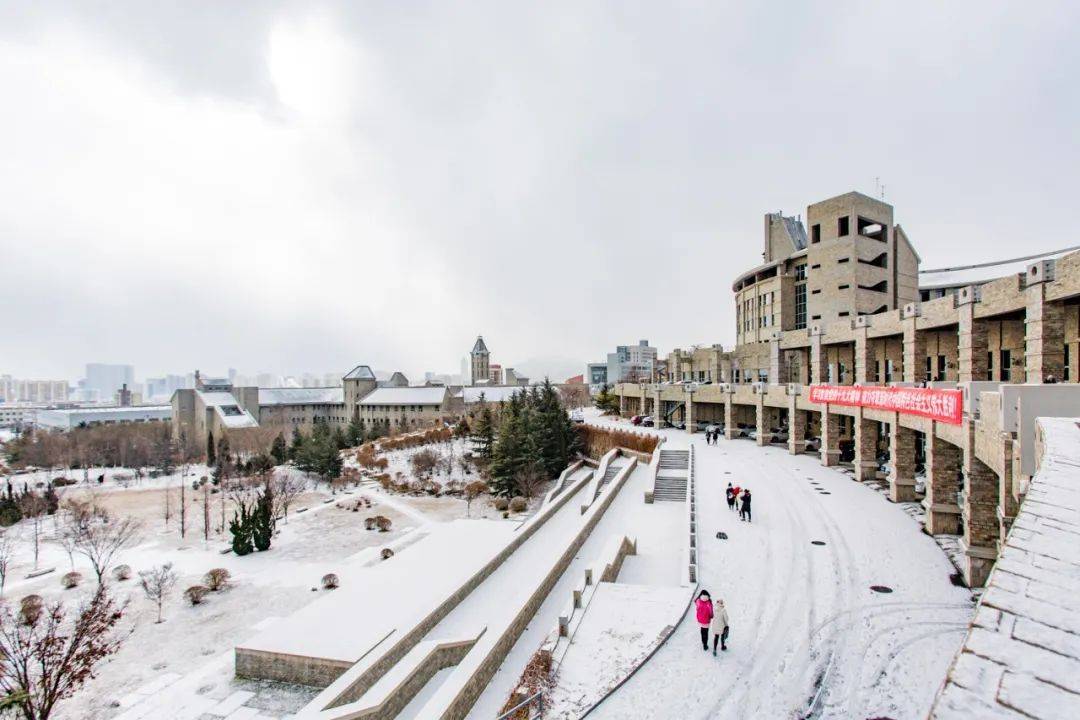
[481,361]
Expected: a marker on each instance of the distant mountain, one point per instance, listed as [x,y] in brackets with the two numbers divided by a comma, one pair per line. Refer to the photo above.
[556,368]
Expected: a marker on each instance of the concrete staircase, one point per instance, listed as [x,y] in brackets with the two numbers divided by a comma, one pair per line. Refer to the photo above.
[671,476]
[612,471]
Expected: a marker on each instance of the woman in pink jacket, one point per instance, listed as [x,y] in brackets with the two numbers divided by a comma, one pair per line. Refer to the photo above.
[704,616]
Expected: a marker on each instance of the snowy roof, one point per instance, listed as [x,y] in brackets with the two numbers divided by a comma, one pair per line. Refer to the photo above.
[406,396]
[961,275]
[234,416]
[302,396]
[217,399]
[479,346]
[491,393]
[360,372]
[70,418]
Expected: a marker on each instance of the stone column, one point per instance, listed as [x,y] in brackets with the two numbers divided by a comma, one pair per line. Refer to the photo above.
[729,414]
[914,345]
[864,358]
[761,415]
[1044,330]
[796,425]
[689,414]
[972,337]
[622,400]
[980,520]
[819,372]
[658,407]
[830,437]
[866,440]
[778,366]
[901,463]
[942,483]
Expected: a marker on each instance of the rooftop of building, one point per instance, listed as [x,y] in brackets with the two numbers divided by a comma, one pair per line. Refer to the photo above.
[302,396]
[961,275]
[491,393]
[423,395]
[360,372]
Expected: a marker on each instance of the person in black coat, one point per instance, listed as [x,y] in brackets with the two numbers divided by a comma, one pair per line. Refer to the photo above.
[730,497]
[744,505]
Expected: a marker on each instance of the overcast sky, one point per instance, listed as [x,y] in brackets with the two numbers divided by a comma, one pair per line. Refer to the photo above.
[291,187]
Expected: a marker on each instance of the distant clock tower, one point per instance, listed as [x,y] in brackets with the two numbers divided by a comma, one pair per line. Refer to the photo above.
[481,361]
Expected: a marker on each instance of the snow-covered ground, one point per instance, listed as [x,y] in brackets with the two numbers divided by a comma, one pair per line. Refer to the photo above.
[808,634]
[187,660]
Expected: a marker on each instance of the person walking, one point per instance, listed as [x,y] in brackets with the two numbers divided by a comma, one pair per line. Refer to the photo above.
[704,617]
[732,493]
[718,626]
[744,506]
[735,491]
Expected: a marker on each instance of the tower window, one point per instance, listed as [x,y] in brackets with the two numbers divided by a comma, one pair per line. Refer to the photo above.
[842,226]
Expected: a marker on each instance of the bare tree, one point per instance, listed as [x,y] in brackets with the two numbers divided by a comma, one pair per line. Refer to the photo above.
[100,540]
[530,478]
[168,504]
[7,550]
[33,506]
[287,487]
[157,583]
[183,507]
[46,657]
[472,491]
[206,512]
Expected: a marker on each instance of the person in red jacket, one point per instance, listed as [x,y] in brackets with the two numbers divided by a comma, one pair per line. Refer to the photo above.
[704,616]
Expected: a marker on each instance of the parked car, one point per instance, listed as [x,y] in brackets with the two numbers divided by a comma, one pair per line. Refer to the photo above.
[702,425]
[780,435]
[712,428]
[678,424]
[752,433]
[647,421]
[813,444]
[577,416]
[636,420]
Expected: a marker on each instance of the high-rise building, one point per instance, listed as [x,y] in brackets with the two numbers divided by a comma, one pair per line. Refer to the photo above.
[105,379]
[631,363]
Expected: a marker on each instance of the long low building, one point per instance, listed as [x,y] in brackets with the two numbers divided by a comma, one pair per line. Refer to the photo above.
[89,417]
[946,389]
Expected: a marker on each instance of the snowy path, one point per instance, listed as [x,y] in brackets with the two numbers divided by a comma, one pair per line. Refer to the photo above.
[802,612]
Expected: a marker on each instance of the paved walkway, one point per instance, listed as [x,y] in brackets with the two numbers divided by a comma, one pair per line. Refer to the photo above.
[1021,658]
[803,616]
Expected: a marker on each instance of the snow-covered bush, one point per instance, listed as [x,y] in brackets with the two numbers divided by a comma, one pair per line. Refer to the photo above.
[217,579]
[122,572]
[63,482]
[330,581]
[502,504]
[383,523]
[519,504]
[70,580]
[387,553]
[30,609]
[196,593]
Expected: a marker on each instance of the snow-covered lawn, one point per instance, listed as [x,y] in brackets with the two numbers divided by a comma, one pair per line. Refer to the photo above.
[322,534]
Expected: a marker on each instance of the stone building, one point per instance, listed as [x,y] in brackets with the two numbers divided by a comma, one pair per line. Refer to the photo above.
[480,362]
[215,408]
[1006,346]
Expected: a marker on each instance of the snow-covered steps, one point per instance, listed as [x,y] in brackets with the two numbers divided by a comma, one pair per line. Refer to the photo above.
[671,476]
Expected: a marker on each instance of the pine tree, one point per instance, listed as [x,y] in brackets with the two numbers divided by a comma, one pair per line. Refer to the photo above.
[483,431]
[279,450]
[240,527]
[297,446]
[340,441]
[355,433]
[262,520]
[211,450]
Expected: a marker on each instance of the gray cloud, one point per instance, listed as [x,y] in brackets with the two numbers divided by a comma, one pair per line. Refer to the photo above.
[293,187]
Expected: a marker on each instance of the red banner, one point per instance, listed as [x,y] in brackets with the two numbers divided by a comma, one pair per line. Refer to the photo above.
[941,405]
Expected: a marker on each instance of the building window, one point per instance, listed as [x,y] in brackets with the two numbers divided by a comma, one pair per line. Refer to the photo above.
[1006,365]
[877,371]
[1065,368]
[888,371]
[800,305]
[990,365]
[940,367]
[845,313]
[841,261]
[816,291]
[800,272]
[842,287]
[929,368]
[842,226]
[815,266]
